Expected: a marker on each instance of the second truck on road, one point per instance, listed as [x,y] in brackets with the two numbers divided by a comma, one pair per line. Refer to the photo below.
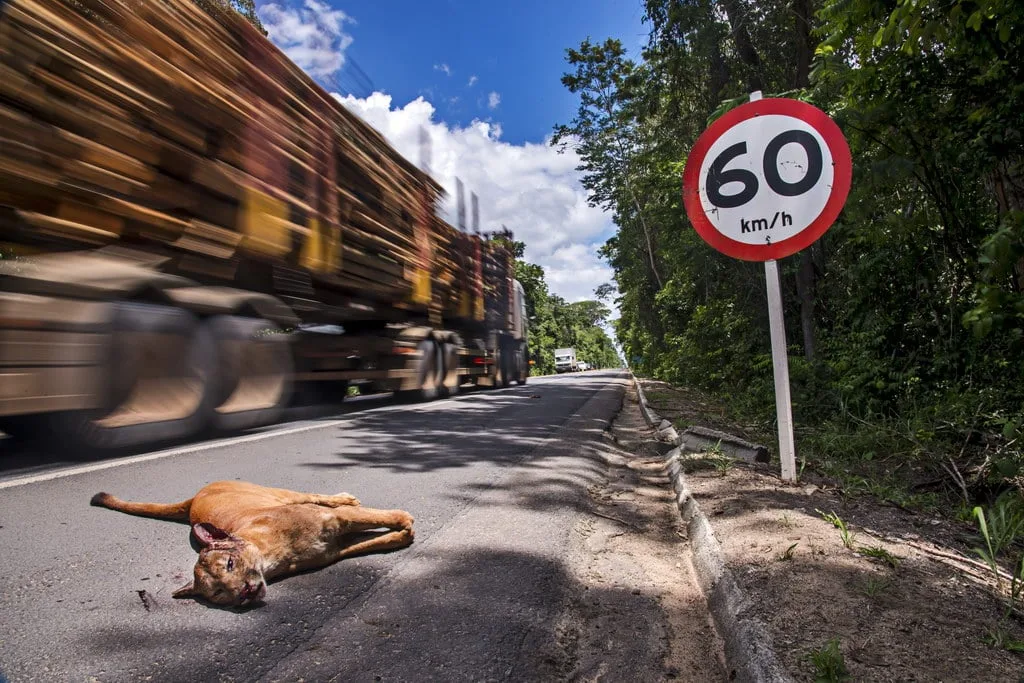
[565,361]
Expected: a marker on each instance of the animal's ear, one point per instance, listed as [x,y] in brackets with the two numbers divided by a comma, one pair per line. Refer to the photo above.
[208,534]
[186,591]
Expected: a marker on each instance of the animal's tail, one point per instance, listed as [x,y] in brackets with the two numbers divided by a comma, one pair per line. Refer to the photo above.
[176,512]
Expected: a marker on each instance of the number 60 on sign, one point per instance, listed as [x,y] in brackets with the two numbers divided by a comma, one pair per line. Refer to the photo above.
[767,179]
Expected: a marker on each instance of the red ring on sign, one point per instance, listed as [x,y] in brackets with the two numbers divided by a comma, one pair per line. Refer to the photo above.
[842,170]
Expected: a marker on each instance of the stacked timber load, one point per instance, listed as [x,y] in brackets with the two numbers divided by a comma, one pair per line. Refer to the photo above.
[449,264]
[156,123]
[497,276]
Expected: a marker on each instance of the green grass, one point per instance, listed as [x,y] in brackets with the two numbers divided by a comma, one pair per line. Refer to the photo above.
[722,462]
[875,586]
[1001,638]
[879,553]
[829,663]
[835,520]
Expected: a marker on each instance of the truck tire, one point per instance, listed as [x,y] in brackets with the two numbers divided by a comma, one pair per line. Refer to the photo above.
[162,365]
[430,370]
[255,376]
[450,346]
[503,378]
[524,364]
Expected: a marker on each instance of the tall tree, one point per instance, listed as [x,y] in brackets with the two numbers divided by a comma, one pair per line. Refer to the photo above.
[603,130]
[930,95]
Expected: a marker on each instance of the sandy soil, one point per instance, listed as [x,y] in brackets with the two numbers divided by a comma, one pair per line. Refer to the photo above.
[918,611]
[638,614]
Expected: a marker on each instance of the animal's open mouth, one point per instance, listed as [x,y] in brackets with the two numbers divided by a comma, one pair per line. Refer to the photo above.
[251,592]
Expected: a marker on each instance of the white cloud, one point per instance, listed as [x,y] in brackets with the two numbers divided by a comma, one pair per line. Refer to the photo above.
[472,81]
[493,100]
[443,67]
[530,188]
[311,34]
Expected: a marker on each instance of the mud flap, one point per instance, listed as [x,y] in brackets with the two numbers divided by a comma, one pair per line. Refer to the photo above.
[255,376]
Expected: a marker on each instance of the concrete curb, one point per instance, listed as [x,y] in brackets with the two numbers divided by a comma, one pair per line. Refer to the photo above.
[666,432]
[748,651]
[699,439]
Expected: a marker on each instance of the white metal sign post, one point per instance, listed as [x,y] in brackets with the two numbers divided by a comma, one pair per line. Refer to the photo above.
[764,181]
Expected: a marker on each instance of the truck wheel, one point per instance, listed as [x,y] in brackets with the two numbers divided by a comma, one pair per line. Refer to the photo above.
[452,379]
[162,368]
[524,365]
[256,372]
[430,367]
[504,376]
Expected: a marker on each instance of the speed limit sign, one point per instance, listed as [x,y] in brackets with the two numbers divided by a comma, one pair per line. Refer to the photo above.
[764,181]
[767,179]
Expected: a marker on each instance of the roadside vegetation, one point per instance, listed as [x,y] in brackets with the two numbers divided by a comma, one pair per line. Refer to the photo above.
[906,320]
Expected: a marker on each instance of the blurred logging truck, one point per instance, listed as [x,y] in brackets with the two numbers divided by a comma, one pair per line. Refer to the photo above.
[193,231]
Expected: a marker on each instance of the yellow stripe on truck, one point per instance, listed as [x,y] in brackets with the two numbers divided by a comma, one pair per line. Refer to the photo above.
[263,220]
[312,255]
[421,286]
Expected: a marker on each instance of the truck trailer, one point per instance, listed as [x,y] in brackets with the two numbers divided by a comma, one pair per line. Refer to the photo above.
[193,231]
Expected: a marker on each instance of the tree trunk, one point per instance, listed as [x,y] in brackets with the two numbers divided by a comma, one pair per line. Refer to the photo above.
[804,42]
[719,70]
[805,291]
[805,276]
[738,18]
[1006,182]
[647,236]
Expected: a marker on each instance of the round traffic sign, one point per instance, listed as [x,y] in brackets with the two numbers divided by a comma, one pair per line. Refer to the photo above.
[767,179]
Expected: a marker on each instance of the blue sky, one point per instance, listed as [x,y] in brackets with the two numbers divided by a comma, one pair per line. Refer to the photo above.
[515,49]
[484,80]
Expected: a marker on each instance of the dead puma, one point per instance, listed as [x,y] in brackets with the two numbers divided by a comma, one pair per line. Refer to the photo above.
[252,534]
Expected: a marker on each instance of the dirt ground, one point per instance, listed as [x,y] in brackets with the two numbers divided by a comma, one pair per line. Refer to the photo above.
[637,613]
[902,592]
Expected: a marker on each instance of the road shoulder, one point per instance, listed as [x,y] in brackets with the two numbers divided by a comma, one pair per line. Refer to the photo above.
[888,593]
[635,592]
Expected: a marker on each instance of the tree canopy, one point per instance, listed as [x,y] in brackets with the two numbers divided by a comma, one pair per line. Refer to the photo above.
[906,320]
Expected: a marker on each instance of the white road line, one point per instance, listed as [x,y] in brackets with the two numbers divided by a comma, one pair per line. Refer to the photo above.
[83,469]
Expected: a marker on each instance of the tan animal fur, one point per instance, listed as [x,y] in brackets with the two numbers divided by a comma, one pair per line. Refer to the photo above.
[250,534]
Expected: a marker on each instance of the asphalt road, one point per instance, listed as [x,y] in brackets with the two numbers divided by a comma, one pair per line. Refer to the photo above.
[495,481]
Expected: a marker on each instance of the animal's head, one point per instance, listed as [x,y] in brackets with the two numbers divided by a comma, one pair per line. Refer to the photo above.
[228,571]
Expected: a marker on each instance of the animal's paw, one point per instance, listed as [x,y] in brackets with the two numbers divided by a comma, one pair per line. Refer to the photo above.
[405,521]
[345,499]
[101,500]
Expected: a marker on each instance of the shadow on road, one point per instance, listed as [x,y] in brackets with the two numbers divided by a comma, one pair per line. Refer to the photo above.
[486,615]
[24,457]
[505,429]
